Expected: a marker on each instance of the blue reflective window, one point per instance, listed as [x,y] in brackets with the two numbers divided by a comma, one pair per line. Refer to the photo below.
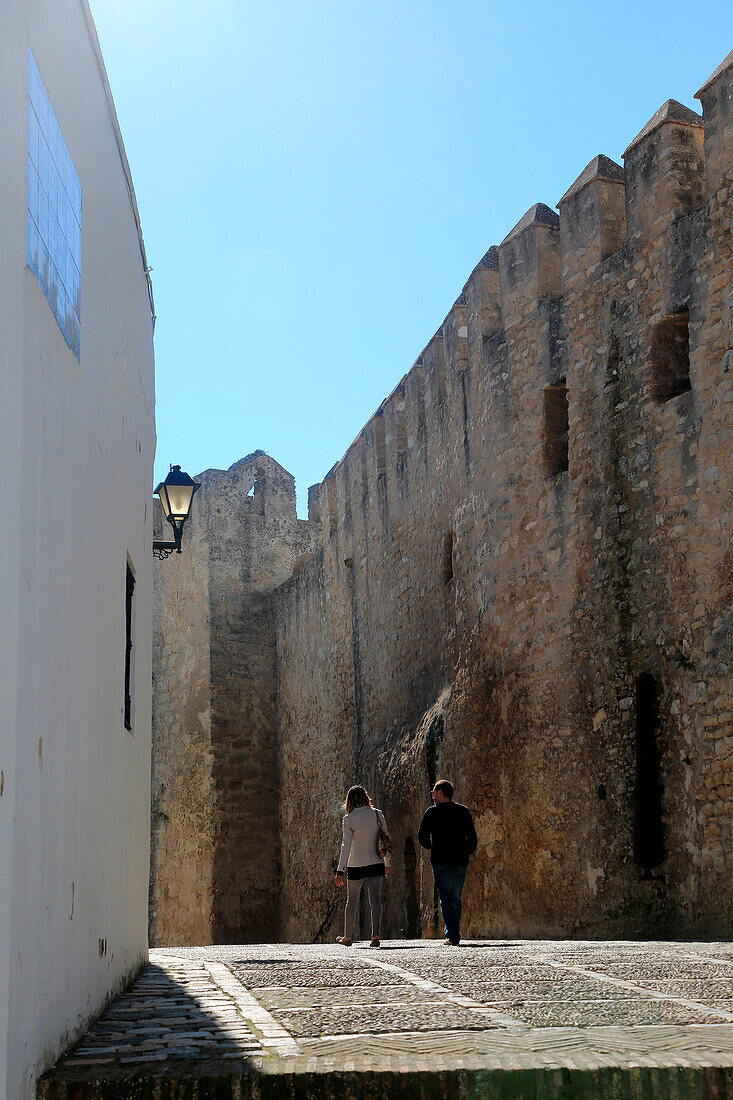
[54,211]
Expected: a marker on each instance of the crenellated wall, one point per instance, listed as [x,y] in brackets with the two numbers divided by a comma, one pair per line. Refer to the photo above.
[524,573]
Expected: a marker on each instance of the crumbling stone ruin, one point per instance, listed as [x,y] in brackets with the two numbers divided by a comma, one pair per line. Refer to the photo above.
[519,576]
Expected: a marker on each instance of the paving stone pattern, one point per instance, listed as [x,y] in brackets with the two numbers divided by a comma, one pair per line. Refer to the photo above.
[522,1019]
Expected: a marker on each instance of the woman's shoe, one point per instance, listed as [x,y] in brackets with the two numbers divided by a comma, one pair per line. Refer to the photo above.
[375,941]
[344,941]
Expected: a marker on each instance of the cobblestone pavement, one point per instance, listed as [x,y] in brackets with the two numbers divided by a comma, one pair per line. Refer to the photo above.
[521,1019]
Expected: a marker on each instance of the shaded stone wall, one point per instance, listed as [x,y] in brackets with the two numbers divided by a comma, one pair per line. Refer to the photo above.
[520,576]
[215,873]
[317,737]
[182,795]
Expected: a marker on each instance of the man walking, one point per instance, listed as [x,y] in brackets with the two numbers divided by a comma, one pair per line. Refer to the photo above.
[447,830]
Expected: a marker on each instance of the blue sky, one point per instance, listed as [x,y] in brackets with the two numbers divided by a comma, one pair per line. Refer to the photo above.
[316,181]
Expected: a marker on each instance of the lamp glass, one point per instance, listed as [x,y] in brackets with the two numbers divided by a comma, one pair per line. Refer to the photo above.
[179,501]
[162,492]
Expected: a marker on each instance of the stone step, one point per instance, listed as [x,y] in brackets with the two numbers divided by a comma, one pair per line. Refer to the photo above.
[594,1083]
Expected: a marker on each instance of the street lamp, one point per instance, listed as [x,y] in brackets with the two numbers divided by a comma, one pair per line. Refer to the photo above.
[176,495]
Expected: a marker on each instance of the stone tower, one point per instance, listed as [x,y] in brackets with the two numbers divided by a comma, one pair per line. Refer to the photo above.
[214,872]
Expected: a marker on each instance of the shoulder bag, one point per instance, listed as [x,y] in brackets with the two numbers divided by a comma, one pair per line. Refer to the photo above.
[384,840]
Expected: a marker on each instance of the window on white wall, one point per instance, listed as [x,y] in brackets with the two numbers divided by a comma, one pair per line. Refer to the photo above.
[129,634]
[54,211]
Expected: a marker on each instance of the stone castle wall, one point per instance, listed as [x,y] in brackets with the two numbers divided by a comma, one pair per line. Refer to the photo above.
[215,791]
[520,576]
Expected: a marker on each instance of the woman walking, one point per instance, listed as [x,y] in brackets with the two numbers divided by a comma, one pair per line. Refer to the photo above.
[361,862]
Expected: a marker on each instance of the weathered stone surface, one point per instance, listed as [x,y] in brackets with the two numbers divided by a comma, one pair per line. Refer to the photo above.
[671,111]
[600,168]
[556,640]
[214,873]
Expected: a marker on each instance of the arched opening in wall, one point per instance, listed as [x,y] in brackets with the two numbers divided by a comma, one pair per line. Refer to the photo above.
[670,357]
[448,558]
[556,428]
[649,849]
[433,744]
[412,911]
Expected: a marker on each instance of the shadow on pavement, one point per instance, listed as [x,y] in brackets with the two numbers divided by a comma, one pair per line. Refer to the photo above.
[423,944]
[158,1028]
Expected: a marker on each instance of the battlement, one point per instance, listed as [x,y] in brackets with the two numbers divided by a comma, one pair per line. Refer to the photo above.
[255,485]
[592,218]
[518,290]
[716,95]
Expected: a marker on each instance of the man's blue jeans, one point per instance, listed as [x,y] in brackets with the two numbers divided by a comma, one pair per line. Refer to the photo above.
[449,882]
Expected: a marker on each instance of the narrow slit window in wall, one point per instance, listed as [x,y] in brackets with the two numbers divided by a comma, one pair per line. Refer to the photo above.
[54,212]
[556,427]
[670,357]
[129,596]
[649,849]
[448,558]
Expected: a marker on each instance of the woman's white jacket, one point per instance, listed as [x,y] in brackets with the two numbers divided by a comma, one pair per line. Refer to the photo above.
[359,845]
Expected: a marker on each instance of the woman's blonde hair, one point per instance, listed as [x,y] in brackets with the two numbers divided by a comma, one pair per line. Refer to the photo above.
[356,797]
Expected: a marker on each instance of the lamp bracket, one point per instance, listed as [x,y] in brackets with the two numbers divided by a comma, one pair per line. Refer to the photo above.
[163,550]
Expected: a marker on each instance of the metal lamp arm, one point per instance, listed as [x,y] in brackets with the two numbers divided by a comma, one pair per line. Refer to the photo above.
[165,549]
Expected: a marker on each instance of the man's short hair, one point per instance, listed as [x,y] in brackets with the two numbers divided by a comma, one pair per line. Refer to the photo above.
[445,786]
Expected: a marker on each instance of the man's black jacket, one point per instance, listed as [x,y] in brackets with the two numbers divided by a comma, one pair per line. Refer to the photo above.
[447,830]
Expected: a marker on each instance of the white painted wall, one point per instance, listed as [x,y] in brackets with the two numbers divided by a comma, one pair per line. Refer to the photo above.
[76,450]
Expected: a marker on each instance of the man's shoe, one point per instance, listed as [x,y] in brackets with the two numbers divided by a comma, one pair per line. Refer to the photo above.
[375,941]
[446,943]
[344,941]
[454,943]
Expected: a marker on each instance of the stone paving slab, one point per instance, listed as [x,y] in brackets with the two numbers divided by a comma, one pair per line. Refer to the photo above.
[518,1019]
[281,997]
